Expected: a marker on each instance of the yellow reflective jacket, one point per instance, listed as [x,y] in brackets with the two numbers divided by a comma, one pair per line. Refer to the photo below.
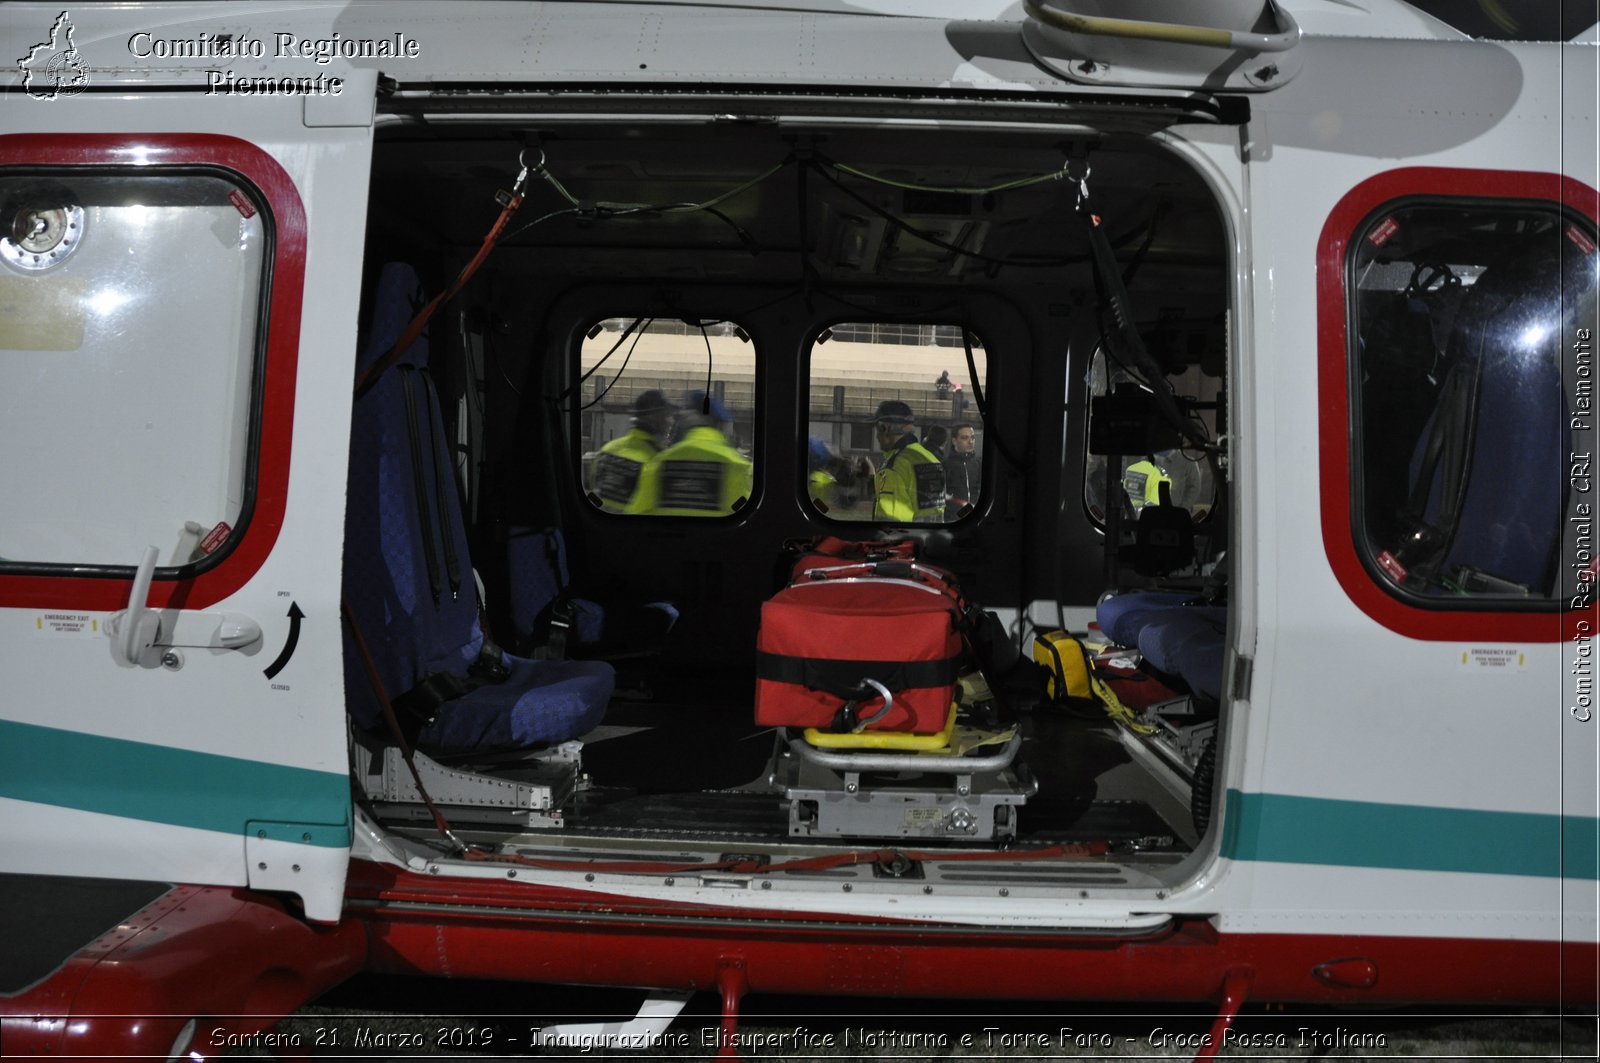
[910,486]
[702,475]
[1142,481]
[614,473]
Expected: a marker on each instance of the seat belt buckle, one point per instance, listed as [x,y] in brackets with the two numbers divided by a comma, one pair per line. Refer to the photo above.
[563,616]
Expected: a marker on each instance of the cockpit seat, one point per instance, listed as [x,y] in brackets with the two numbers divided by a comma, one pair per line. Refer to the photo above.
[1485,490]
[1175,634]
[408,578]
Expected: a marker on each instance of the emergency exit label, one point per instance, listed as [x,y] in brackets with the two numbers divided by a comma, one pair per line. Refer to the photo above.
[67,624]
[1494,660]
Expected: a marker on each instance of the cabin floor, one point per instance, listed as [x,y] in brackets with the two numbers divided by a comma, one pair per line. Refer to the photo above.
[690,765]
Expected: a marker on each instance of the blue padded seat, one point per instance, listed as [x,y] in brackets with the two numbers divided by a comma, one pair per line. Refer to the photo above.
[1509,523]
[1123,616]
[541,702]
[537,572]
[1187,641]
[408,575]
[1500,435]
[536,569]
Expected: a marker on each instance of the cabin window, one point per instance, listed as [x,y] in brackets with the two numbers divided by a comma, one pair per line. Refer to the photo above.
[1158,460]
[666,417]
[130,307]
[1471,371]
[876,389]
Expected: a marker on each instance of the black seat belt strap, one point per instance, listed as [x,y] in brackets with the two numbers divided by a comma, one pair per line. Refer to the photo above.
[1125,334]
[1449,445]
[419,481]
[444,502]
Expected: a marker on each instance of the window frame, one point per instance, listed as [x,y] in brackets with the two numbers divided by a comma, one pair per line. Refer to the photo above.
[802,487]
[1343,531]
[1099,523]
[274,364]
[575,421]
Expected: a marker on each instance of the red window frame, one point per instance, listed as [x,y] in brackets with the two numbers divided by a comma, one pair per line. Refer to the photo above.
[285,278]
[1339,540]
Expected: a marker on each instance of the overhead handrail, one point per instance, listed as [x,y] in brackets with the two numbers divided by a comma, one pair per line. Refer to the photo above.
[1171,33]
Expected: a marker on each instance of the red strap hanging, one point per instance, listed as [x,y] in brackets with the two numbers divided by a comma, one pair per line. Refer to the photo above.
[509,204]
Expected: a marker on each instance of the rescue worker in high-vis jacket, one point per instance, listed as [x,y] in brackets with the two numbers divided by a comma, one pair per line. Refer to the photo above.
[909,487]
[1142,481]
[701,475]
[614,474]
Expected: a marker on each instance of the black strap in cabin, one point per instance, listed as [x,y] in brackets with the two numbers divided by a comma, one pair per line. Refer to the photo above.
[1125,335]
[444,503]
[419,481]
[417,707]
[562,618]
[1454,399]
[1450,442]
[990,429]
[846,679]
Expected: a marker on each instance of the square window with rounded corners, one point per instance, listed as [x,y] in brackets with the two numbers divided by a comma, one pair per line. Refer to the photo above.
[1151,457]
[666,417]
[130,314]
[1471,378]
[893,430]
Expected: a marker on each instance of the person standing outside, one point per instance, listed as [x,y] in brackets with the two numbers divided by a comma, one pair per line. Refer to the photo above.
[909,488]
[963,471]
[614,474]
[701,475]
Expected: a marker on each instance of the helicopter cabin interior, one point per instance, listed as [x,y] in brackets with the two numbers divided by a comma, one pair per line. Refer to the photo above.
[1060,296]
[783,282]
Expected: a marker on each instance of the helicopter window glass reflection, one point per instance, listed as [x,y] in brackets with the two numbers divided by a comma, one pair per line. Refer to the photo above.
[894,435]
[1472,327]
[666,417]
[129,334]
[1140,477]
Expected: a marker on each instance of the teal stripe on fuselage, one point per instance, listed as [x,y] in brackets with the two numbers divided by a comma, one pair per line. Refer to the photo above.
[1315,830]
[160,784]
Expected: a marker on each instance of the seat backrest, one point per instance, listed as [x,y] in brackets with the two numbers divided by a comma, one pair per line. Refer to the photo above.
[536,561]
[417,613]
[1497,492]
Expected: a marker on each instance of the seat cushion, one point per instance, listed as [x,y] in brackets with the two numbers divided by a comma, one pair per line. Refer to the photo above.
[1123,616]
[1186,641]
[541,702]
[1189,642]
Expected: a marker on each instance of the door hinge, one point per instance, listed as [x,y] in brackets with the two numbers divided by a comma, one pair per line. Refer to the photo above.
[1242,668]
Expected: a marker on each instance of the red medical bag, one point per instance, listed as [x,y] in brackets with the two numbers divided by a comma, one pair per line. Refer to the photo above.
[844,632]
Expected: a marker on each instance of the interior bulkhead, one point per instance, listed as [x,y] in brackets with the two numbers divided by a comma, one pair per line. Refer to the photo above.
[785,280]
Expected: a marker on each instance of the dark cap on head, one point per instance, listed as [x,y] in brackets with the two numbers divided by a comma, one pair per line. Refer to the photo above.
[894,411]
[651,402]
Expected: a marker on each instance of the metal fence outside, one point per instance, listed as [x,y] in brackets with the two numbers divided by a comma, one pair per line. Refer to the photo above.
[839,402]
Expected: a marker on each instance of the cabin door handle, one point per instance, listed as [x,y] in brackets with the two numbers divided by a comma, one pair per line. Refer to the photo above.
[136,630]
